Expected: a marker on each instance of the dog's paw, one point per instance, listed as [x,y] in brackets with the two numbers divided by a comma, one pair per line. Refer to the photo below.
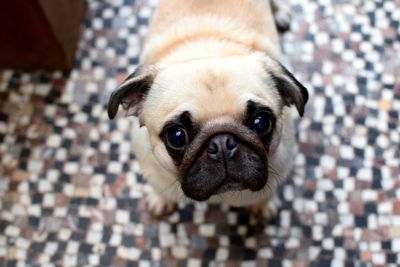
[158,205]
[266,210]
[282,15]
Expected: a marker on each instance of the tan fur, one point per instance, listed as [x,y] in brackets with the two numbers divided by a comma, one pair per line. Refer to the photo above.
[213,53]
[240,25]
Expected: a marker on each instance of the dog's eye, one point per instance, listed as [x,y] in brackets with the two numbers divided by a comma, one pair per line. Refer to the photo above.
[177,137]
[262,123]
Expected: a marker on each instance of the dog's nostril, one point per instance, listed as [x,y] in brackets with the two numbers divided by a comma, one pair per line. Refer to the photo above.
[212,148]
[222,146]
[231,142]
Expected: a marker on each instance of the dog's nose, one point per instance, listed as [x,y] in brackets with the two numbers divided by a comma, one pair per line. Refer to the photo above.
[222,146]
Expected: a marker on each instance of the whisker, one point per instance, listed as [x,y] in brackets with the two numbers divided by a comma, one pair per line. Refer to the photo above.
[274,171]
[222,198]
[169,186]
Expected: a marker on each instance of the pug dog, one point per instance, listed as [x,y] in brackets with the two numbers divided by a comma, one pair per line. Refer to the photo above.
[213,104]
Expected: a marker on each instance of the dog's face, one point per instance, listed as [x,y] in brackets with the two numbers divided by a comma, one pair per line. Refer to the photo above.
[213,122]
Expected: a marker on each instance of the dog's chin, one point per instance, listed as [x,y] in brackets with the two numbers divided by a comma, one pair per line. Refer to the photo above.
[206,194]
[224,158]
[201,185]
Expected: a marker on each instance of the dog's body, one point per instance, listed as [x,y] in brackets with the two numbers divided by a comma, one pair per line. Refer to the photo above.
[185,30]
[212,103]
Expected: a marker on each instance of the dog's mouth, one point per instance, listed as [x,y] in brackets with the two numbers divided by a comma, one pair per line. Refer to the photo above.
[206,193]
[229,187]
[224,158]
[203,189]
[236,187]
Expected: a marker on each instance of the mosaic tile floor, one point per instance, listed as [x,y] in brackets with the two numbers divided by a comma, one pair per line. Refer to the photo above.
[71,191]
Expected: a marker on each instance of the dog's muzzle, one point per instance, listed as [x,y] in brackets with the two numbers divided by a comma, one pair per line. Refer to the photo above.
[224,163]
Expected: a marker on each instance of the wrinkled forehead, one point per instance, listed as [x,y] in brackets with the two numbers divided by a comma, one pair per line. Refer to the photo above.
[210,88]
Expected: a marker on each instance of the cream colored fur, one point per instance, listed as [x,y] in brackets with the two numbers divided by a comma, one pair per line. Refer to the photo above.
[227,43]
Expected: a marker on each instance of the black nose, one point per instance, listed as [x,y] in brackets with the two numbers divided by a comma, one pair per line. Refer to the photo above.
[223,146]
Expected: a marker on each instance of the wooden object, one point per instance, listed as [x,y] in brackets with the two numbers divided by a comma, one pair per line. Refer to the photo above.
[39,34]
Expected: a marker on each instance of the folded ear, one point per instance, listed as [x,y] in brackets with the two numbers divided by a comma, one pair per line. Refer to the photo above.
[132,92]
[290,89]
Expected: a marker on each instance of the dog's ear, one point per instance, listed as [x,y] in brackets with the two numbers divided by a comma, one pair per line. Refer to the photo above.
[131,93]
[290,89]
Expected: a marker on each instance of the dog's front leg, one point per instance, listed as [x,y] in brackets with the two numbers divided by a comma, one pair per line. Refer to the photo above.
[266,210]
[158,205]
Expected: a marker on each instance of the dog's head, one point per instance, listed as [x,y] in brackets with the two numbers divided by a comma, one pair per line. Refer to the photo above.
[212,122]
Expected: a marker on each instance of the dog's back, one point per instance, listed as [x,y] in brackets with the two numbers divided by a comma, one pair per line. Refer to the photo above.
[250,23]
